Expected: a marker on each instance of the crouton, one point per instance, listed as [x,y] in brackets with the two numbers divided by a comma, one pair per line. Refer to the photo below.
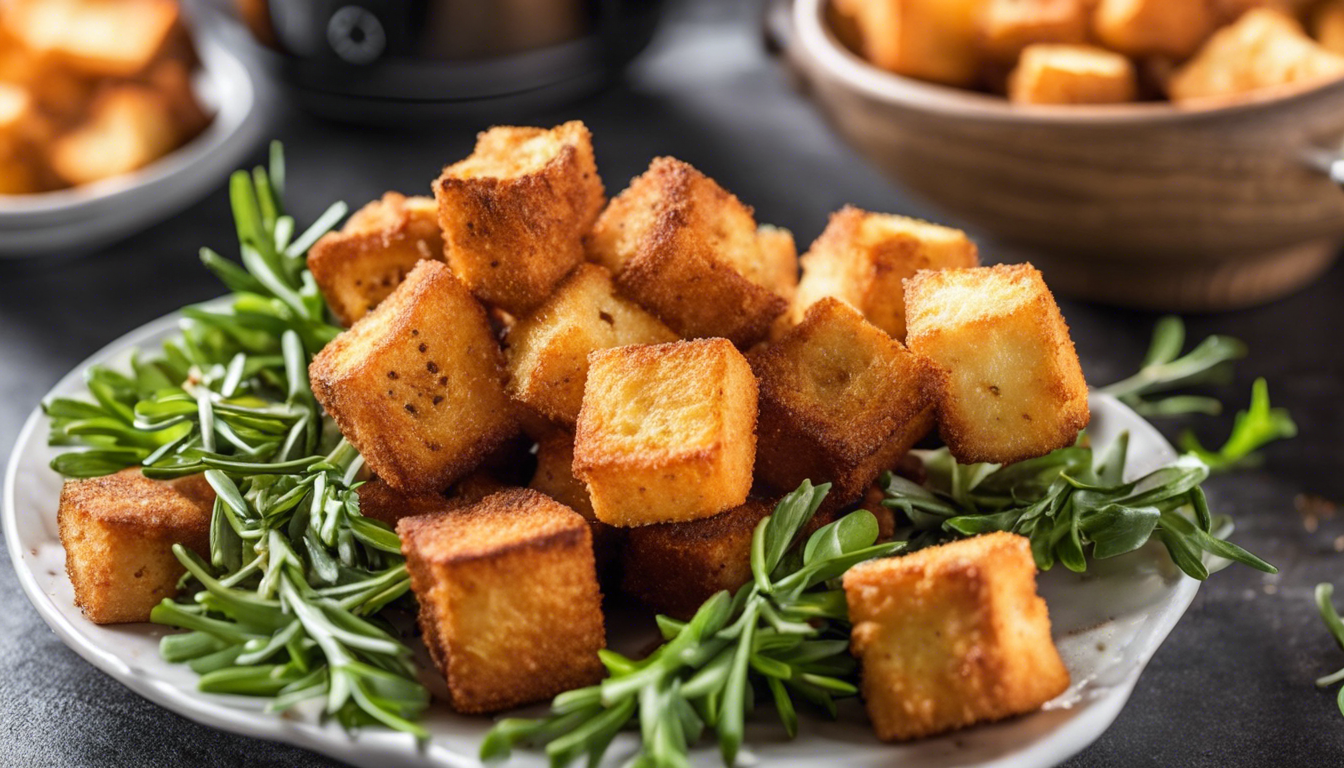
[417,385]
[509,602]
[128,127]
[675,567]
[927,39]
[686,250]
[1006,27]
[118,38]
[862,258]
[1264,49]
[1327,26]
[840,401]
[1154,27]
[547,350]
[358,266]
[172,79]
[1072,74]
[952,636]
[118,532]
[667,432]
[380,501]
[1009,386]
[515,212]
[555,478]
[779,260]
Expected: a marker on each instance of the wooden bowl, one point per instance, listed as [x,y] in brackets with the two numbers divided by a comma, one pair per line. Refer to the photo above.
[1146,205]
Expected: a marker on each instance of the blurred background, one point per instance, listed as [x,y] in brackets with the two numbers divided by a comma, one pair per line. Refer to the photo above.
[113,172]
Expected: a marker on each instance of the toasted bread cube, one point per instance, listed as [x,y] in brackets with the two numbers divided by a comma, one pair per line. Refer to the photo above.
[358,266]
[1154,27]
[840,401]
[667,432]
[1264,49]
[1007,27]
[951,636]
[927,39]
[417,385]
[118,532]
[547,350]
[863,258]
[555,478]
[380,501]
[171,77]
[675,567]
[779,260]
[509,602]
[118,38]
[1327,26]
[128,128]
[687,251]
[1010,386]
[1072,74]
[515,212]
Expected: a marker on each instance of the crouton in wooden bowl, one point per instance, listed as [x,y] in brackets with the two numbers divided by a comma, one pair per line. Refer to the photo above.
[1219,195]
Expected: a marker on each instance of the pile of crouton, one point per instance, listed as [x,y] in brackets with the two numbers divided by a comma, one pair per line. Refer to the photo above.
[1197,52]
[91,89]
[560,395]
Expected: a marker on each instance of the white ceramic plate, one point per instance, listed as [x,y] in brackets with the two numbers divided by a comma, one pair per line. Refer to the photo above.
[92,215]
[1108,623]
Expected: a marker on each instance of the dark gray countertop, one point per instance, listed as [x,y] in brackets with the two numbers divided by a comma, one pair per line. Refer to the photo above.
[1232,686]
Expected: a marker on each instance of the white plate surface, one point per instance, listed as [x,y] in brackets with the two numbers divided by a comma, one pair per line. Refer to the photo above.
[1107,623]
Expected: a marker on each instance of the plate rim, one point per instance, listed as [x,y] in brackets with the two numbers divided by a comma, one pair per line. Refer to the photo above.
[1067,740]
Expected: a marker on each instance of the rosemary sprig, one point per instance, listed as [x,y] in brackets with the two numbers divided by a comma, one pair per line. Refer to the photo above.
[1333,623]
[287,608]
[1069,504]
[784,634]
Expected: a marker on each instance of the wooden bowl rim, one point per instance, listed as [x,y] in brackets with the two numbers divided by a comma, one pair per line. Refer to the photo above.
[813,35]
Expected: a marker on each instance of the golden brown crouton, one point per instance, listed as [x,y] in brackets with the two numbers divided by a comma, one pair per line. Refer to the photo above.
[1007,27]
[128,127]
[840,401]
[667,432]
[101,37]
[1072,74]
[1327,25]
[779,260]
[547,350]
[555,478]
[358,266]
[417,385]
[675,567]
[515,212]
[952,636]
[380,501]
[928,39]
[1154,27]
[509,602]
[687,251]
[1009,386]
[118,532]
[1264,49]
[862,259]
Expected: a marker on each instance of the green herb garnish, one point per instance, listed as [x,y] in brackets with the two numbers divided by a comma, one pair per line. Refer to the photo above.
[1324,593]
[287,607]
[1069,504]
[785,633]
[1164,369]
[1254,427]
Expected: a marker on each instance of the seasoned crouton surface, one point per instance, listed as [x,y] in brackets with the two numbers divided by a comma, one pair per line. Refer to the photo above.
[515,212]
[1154,27]
[380,501]
[357,267]
[1072,74]
[667,431]
[509,601]
[951,636]
[687,250]
[547,350]
[779,260]
[1007,27]
[117,38]
[118,532]
[929,39]
[840,401]
[1009,385]
[1264,49]
[417,384]
[555,478]
[675,567]
[863,258]
[128,127]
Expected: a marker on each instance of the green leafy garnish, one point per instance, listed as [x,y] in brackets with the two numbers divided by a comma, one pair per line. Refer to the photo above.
[1324,593]
[783,634]
[1254,427]
[1164,369]
[1070,505]
[287,608]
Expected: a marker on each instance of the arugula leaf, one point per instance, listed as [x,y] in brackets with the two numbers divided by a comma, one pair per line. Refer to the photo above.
[1164,369]
[1254,427]
[1335,625]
